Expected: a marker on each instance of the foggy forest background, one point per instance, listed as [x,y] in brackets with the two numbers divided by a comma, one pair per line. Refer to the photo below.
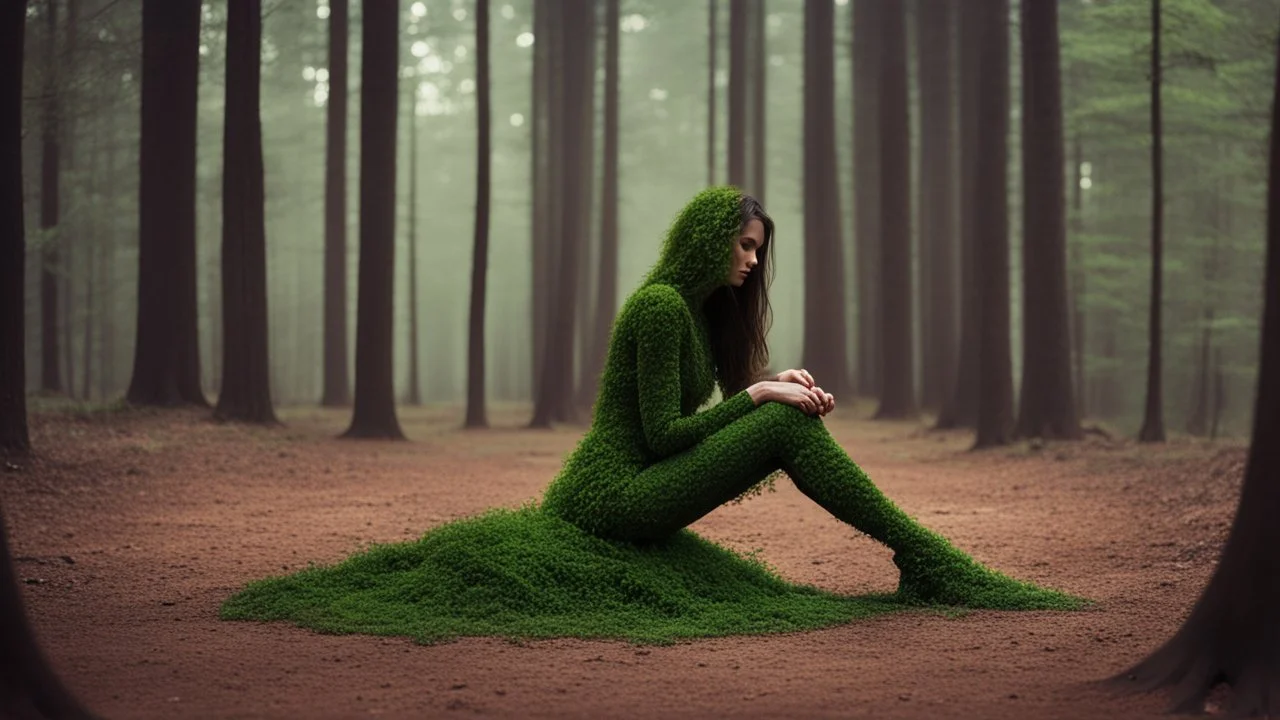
[1218,65]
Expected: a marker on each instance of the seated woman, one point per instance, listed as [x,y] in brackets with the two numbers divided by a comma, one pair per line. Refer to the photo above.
[652,463]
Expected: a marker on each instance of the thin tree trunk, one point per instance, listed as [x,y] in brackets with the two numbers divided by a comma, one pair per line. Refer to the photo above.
[937,209]
[14,437]
[415,387]
[582,386]
[543,159]
[866,53]
[739,68]
[1078,282]
[166,366]
[607,280]
[1153,417]
[960,404]
[759,83]
[1047,408]
[713,33]
[476,416]
[824,353]
[246,375]
[50,375]
[374,414]
[337,388]
[995,368]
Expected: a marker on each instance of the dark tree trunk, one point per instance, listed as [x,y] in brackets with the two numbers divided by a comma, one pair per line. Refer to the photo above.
[960,403]
[607,274]
[544,239]
[897,359]
[584,392]
[824,353]
[337,387]
[759,82]
[50,376]
[1232,635]
[937,209]
[166,363]
[1153,417]
[374,413]
[1078,282]
[713,34]
[739,68]
[91,260]
[14,437]
[476,417]
[554,395]
[415,385]
[245,393]
[1047,403]
[866,54]
[991,232]
[29,688]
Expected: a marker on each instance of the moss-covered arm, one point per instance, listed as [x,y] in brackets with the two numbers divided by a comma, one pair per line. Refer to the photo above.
[661,322]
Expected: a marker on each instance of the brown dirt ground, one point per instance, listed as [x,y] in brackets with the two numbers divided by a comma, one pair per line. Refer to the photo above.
[131,528]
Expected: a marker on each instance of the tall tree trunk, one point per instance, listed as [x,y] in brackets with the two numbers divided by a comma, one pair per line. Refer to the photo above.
[607,273]
[739,68]
[582,385]
[995,367]
[759,82]
[166,363]
[937,209]
[824,353]
[554,396]
[1078,283]
[415,386]
[866,53]
[897,363]
[107,317]
[50,375]
[337,387]
[960,403]
[1047,403]
[1232,634]
[14,437]
[713,34]
[374,414]
[246,374]
[476,416]
[1153,417]
[544,239]
[91,259]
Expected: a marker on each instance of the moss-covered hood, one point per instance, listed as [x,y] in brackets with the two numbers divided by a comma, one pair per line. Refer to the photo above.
[698,251]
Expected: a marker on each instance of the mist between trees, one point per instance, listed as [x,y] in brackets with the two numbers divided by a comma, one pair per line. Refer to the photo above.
[82,272]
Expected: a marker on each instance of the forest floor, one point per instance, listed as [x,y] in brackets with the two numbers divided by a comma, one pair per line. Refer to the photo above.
[131,527]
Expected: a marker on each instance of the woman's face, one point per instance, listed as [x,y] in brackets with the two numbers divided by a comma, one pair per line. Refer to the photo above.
[745,247]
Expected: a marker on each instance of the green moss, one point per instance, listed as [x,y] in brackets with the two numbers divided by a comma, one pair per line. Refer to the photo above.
[528,574]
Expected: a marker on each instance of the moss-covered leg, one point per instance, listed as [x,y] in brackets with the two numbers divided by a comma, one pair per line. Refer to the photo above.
[683,488]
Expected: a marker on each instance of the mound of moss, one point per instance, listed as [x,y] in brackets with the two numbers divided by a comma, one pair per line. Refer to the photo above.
[528,574]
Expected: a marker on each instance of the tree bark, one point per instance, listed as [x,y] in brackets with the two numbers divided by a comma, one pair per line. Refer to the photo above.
[374,414]
[960,403]
[337,387]
[739,68]
[897,358]
[991,232]
[245,393]
[415,385]
[14,437]
[824,354]
[50,375]
[554,400]
[607,274]
[166,365]
[1232,634]
[1153,417]
[937,209]
[1047,400]
[866,53]
[476,416]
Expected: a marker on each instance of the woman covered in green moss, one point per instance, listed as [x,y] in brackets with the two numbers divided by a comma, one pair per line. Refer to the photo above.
[652,462]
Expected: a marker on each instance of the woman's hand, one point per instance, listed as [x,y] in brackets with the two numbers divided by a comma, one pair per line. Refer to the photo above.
[800,377]
[812,401]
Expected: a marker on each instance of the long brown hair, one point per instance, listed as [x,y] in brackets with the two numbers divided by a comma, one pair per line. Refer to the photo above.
[738,318]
